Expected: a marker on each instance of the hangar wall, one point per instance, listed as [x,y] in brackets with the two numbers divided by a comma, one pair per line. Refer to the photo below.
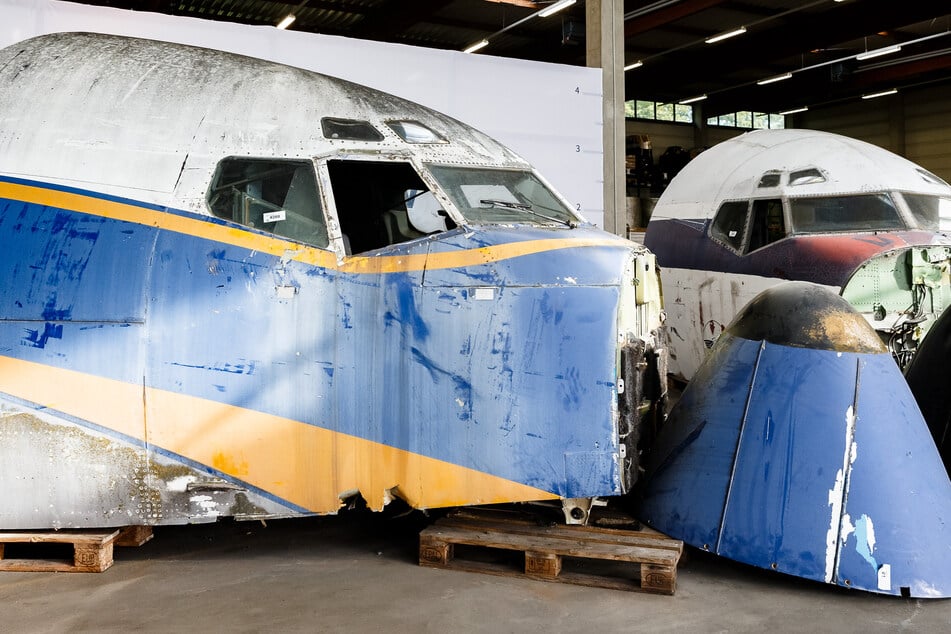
[915,123]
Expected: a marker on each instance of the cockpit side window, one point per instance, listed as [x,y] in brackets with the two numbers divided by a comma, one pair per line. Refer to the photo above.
[729,224]
[383,203]
[766,224]
[273,195]
[930,212]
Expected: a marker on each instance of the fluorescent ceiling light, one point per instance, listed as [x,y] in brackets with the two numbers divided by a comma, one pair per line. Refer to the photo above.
[782,77]
[888,50]
[728,34]
[555,8]
[880,94]
[684,102]
[475,47]
[287,21]
[793,111]
[636,64]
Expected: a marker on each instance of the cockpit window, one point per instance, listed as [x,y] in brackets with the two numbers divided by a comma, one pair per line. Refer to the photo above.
[861,212]
[729,223]
[930,212]
[272,195]
[383,203]
[767,224]
[496,196]
[349,130]
[769,179]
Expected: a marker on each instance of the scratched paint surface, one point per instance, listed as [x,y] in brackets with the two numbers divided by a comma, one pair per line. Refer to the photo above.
[760,463]
[519,388]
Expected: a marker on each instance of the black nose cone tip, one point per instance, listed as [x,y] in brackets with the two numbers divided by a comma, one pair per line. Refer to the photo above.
[805,315]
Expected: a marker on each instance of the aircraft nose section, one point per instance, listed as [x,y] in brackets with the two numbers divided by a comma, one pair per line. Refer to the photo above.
[799,448]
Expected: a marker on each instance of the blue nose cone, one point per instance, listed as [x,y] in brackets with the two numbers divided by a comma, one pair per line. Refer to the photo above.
[799,448]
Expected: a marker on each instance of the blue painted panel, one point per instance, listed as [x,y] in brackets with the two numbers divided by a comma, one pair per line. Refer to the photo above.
[506,386]
[64,266]
[899,501]
[593,266]
[103,349]
[792,448]
[692,460]
[219,330]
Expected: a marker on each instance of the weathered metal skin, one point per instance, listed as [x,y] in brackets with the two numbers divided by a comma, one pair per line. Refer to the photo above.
[799,448]
[882,272]
[161,365]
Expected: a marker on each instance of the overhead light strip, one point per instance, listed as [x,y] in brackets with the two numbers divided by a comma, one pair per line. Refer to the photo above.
[888,50]
[287,21]
[684,102]
[793,111]
[884,93]
[555,8]
[773,80]
[636,64]
[475,47]
[725,36]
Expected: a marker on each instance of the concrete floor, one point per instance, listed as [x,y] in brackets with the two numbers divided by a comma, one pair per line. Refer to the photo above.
[357,572]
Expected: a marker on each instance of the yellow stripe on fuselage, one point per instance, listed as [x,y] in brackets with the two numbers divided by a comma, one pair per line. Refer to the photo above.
[308,466]
[126,212]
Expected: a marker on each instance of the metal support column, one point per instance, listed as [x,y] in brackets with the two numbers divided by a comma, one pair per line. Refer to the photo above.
[604,34]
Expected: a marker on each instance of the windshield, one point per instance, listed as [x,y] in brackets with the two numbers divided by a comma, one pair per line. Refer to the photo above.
[495,196]
[860,212]
[929,211]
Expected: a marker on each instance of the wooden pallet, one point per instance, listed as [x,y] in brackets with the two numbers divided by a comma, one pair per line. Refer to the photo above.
[92,549]
[648,559]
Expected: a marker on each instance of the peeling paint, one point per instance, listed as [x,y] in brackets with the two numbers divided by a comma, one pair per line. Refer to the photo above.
[837,496]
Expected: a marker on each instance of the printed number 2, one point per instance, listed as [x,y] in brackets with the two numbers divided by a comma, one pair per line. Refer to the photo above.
[578,207]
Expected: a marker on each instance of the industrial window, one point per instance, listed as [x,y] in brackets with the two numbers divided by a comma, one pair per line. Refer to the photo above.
[658,111]
[380,204]
[729,223]
[273,195]
[749,120]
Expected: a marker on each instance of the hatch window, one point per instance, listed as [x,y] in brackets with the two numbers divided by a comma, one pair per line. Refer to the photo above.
[383,203]
[349,130]
[272,195]
[930,212]
[729,224]
[861,212]
[767,224]
[414,132]
[769,179]
[806,177]
[928,177]
[497,196]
